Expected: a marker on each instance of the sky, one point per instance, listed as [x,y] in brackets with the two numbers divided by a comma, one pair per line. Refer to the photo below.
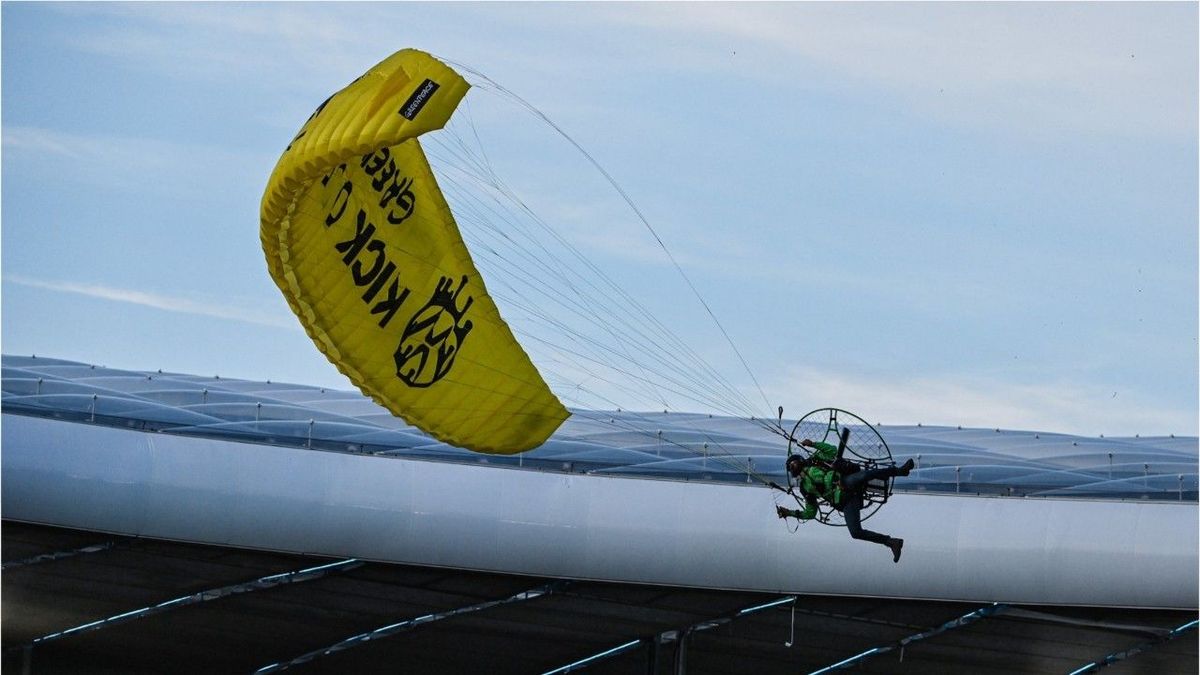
[940,213]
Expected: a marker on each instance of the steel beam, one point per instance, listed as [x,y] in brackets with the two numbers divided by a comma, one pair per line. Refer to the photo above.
[966,619]
[308,574]
[58,555]
[665,637]
[1107,661]
[409,624]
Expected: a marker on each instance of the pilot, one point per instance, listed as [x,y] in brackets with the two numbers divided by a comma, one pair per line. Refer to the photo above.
[840,483]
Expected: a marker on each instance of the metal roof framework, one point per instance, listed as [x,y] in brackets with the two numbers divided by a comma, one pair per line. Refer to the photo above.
[242,616]
[89,601]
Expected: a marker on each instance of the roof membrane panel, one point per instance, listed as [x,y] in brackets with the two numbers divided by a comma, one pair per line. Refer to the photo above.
[665,446]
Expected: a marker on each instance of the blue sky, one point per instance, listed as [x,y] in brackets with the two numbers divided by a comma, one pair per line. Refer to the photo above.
[977,214]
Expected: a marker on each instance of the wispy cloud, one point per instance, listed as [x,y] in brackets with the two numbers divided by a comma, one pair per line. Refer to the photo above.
[1047,68]
[279,47]
[168,303]
[986,401]
[1038,67]
[125,162]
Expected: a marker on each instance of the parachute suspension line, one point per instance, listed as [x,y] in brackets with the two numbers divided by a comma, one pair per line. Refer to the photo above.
[724,458]
[477,167]
[646,223]
[647,341]
[587,310]
[648,324]
[534,110]
[549,263]
[600,301]
[468,163]
[485,163]
[681,382]
[492,398]
[598,351]
[601,416]
[514,276]
[690,395]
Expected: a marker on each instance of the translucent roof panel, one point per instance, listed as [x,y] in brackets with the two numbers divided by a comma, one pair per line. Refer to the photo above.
[184,397]
[1180,487]
[32,386]
[388,438]
[657,444]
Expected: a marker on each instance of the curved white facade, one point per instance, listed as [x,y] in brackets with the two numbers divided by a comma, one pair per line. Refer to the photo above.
[630,529]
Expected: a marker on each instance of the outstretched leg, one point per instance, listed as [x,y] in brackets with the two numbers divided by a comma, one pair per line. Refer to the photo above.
[851,511]
[855,481]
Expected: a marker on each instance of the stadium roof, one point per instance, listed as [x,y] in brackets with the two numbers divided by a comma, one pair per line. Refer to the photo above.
[99,600]
[662,445]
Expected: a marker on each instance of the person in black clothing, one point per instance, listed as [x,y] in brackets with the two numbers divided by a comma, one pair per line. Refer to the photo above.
[824,475]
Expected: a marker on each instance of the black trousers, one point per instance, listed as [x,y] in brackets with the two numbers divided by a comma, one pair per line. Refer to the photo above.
[853,486]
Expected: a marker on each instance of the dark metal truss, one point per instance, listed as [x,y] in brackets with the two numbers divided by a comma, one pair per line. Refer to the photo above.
[410,624]
[298,576]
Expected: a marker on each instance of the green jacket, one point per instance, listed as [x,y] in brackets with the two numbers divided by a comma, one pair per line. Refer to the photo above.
[819,482]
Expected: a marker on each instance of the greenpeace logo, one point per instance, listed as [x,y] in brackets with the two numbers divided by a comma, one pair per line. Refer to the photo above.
[418,100]
[434,335]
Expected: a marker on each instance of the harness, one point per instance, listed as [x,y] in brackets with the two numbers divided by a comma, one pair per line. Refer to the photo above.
[824,483]
[819,485]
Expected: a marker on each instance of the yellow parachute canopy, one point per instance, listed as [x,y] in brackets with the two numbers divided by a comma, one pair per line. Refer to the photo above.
[361,241]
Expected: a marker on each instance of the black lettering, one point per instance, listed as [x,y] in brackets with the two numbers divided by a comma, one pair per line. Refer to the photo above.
[404,198]
[390,304]
[361,278]
[373,162]
[385,176]
[419,98]
[344,193]
[363,232]
[394,188]
[365,256]
[339,168]
[380,280]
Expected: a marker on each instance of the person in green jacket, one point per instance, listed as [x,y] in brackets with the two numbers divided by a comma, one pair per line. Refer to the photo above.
[826,476]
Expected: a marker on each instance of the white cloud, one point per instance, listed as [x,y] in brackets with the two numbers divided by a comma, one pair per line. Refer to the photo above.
[27,139]
[169,303]
[1044,68]
[126,162]
[120,151]
[984,401]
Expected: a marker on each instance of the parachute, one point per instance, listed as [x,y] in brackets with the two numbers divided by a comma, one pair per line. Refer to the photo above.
[361,241]
[381,262]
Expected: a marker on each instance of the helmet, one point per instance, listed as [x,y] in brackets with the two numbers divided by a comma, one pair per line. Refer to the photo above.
[795,464]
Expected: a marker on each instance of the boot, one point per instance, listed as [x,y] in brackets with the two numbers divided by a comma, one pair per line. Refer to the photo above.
[906,467]
[895,545]
[782,512]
